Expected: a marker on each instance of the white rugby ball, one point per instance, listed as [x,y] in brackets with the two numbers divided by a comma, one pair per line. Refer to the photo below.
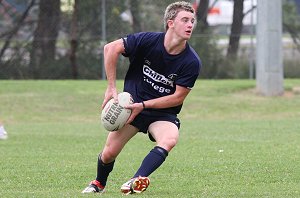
[114,115]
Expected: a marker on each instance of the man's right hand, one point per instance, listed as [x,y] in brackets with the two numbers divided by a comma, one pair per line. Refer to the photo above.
[111,92]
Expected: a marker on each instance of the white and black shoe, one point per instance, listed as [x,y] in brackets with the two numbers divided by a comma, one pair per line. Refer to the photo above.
[94,187]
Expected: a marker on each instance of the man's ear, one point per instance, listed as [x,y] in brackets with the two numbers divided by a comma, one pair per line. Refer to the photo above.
[170,23]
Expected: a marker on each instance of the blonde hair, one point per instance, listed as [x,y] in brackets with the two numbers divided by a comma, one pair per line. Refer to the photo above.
[173,9]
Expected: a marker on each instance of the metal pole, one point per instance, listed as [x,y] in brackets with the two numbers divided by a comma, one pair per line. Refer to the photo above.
[103,30]
[251,57]
[269,66]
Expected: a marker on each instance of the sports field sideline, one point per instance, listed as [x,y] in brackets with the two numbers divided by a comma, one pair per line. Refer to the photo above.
[233,143]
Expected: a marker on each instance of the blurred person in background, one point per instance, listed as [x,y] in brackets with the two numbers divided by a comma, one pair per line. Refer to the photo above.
[3,133]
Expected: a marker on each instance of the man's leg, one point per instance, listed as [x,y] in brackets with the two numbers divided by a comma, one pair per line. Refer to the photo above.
[113,146]
[166,135]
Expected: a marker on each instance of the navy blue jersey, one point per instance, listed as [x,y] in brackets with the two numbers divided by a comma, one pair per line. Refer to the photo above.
[153,72]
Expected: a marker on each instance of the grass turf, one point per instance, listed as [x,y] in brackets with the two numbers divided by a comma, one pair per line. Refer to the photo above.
[233,142]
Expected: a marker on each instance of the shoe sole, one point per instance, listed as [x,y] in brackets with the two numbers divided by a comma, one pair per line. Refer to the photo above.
[139,185]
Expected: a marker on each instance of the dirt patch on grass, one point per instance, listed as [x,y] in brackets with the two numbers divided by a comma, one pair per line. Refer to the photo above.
[296,90]
[286,94]
[292,93]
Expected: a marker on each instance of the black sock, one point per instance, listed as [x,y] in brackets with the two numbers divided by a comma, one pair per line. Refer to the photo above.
[152,161]
[103,171]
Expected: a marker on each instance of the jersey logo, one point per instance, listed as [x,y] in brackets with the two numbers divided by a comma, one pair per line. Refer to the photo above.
[172,77]
[156,76]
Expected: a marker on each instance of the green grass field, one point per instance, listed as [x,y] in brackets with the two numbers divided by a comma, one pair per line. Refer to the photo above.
[233,143]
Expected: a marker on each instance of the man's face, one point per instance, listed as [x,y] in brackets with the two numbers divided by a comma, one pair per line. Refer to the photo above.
[183,24]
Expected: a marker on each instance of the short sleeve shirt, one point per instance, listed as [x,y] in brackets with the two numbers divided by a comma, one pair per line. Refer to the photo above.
[153,72]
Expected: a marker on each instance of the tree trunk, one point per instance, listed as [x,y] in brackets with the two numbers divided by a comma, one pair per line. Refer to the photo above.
[74,42]
[45,35]
[9,35]
[135,11]
[202,12]
[236,28]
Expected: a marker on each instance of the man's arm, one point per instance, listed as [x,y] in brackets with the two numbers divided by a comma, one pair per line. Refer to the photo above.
[172,100]
[169,101]
[112,52]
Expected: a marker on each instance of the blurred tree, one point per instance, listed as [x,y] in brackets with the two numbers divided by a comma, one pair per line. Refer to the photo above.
[201,13]
[291,21]
[135,10]
[45,35]
[28,53]
[8,35]
[236,28]
[74,41]
[205,43]
[152,14]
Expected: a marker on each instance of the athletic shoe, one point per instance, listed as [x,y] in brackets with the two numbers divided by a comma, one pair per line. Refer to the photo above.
[135,185]
[3,135]
[94,187]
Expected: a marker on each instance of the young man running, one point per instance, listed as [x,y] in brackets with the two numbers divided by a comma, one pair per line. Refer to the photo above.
[163,69]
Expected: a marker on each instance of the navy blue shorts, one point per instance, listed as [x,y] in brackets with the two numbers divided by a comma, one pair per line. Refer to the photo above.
[145,118]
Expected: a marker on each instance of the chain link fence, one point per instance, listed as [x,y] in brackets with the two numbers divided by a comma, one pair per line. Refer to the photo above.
[82,35]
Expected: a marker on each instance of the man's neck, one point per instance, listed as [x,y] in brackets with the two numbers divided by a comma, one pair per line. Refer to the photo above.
[173,44]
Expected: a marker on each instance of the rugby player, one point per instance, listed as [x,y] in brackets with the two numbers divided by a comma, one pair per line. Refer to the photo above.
[163,69]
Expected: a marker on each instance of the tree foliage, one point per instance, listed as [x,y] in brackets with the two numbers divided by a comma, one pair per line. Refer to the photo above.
[44,42]
[291,21]
[44,38]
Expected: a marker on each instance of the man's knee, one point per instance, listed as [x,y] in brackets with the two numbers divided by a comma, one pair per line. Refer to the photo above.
[168,143]
[108,155]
